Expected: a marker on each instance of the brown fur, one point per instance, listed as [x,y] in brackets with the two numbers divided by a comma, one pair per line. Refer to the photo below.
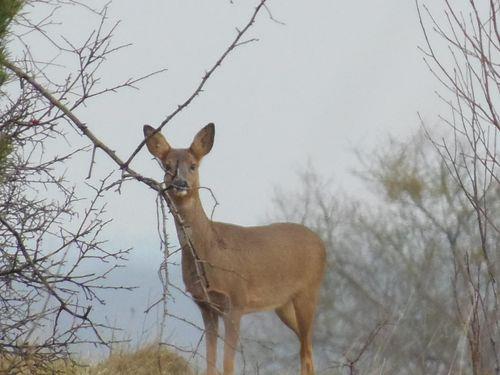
[274,267]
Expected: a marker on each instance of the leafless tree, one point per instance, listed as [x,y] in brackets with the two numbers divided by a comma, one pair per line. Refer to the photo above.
[48,233]
[388,301]
[462,50]
[51,228]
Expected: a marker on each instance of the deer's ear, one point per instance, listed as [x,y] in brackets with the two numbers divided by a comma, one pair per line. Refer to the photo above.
[157,144]
[203,141]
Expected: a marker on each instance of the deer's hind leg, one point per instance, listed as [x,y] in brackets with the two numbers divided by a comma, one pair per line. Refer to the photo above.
[305,308]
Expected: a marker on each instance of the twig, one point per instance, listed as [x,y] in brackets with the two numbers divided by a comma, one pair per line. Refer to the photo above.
[206,77]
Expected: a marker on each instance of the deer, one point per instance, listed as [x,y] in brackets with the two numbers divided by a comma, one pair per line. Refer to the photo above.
[243,270]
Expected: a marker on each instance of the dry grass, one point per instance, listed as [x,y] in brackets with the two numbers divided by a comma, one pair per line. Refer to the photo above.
[149,360]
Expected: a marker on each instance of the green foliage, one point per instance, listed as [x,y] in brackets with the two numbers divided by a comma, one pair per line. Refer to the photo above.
[5,150]
[8,10]
[3,74]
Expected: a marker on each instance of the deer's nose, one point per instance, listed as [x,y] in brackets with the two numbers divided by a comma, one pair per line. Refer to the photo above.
[181,184]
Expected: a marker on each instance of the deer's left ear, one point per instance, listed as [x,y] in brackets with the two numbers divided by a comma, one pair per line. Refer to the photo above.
[203,141]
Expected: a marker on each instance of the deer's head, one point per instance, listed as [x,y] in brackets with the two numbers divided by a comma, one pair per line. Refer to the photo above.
[180,164]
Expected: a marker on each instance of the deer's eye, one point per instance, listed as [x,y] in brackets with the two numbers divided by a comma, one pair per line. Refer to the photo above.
[193,167]
[168,167]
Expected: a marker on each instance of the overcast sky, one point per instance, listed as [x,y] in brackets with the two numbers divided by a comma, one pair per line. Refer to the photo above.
[338,75]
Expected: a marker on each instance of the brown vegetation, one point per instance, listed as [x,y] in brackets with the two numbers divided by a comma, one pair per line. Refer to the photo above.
[149,360]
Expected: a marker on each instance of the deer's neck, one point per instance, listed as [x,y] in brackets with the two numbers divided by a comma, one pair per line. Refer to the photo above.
[195,223]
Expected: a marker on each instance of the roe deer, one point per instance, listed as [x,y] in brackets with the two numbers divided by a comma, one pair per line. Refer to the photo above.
[245,269]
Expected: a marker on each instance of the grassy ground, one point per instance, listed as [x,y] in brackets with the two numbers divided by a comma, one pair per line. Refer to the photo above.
[149,360]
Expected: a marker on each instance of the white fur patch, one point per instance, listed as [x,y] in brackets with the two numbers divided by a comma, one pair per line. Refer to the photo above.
[181,193]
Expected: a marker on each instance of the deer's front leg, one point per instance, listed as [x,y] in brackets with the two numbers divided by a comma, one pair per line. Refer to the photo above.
[232,332]
[211,322]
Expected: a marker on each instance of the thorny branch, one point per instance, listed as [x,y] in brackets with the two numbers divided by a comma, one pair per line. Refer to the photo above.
[235,43]
[91,56]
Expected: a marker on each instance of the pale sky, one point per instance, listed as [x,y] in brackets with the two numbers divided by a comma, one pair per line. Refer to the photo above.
[338,75]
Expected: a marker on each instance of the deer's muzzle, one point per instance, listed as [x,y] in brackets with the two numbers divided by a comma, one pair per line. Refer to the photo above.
[179,187]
